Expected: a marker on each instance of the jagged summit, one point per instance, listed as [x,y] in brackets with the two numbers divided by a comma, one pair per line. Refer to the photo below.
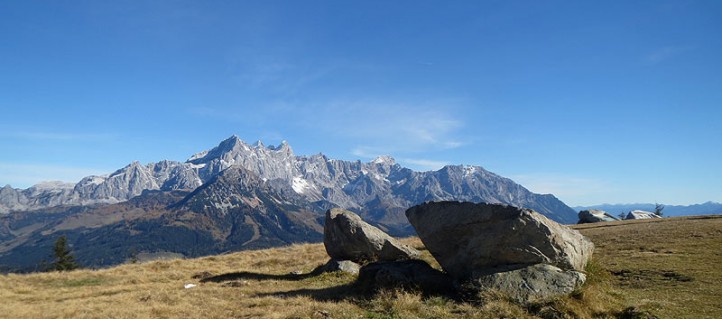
[228,145]
[384,159]
[232,147]
[284,146]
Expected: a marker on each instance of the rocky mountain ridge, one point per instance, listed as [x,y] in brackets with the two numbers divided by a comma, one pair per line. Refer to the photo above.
[371,187]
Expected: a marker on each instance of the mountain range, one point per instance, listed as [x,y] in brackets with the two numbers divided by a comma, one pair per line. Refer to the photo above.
[234,196]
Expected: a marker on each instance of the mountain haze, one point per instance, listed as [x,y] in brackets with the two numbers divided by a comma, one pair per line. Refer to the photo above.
[231,197]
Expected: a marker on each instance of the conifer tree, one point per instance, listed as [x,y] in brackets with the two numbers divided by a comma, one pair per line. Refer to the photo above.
[64,260]
[658,209]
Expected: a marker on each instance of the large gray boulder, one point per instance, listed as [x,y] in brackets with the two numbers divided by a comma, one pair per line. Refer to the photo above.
[347,237]
[471,239]
[530,283]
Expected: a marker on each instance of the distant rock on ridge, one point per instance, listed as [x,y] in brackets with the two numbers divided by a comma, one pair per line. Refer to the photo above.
[640,214]
[595,216]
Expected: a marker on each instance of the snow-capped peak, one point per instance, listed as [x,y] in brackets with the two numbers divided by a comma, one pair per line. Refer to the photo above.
[384,159]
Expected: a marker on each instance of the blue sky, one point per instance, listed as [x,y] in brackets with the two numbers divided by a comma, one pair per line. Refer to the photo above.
[593,101]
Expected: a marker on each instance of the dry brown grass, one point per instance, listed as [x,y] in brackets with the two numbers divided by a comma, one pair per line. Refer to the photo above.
[669,268]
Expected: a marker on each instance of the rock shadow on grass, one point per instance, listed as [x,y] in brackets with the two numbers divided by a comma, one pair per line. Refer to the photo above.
[335,293]
[243,275]
[409,275]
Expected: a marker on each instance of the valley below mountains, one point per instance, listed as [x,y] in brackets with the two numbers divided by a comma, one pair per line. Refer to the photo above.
[235,196]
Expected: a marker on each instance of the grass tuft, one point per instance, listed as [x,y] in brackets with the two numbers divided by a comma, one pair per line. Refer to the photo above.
[72,283]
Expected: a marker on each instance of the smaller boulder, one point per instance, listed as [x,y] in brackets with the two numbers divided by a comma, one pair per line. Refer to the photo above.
[529,284]
[347,237]
[332,265]
[339,265]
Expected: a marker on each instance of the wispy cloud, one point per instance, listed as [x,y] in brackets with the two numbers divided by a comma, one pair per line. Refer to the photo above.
[277,73]
[666,53]
[573,190]
[418,164]
[266,122]
[387,128]
[279,77]
[305,99]
[423,164]
[369,128]
[366,152]
[214,113]
[26,175]
[56,136]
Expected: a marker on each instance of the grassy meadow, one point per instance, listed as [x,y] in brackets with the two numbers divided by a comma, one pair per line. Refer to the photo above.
[668,268]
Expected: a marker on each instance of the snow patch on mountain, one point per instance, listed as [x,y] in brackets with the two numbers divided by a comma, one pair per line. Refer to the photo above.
[300,185]
[95,180]
[470,170]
